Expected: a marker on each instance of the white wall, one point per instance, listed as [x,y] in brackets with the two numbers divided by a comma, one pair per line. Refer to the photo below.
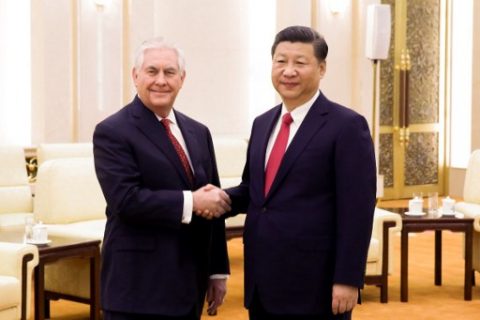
[51,71]
[99,64]
[15,82]
[457,176]
[82,57]
[214,37]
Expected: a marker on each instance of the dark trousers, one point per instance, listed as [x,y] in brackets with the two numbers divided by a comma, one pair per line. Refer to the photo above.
[113,315]
[258,312]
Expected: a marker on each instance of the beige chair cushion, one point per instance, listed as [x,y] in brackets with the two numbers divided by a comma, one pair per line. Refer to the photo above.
[16,199]
[10,292]
[227,182]
[231,154]
[15,193]
[470,210]
[50,151]
[68,191]
[373,250]
[89,229]
[14,219]
[471,190]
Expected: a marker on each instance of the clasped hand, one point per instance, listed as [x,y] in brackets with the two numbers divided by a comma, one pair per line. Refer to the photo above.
[210,202]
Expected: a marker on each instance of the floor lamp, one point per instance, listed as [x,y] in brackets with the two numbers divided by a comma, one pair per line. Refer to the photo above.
[374,100]
[377,46]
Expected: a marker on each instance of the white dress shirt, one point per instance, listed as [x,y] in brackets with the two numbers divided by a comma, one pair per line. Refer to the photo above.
[298,114]
[187,194]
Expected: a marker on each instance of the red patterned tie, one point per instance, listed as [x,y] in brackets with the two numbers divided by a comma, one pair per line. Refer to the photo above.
[178,148]
[277,152]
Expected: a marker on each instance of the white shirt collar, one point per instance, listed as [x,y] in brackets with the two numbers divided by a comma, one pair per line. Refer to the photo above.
[171,117]
[299,113]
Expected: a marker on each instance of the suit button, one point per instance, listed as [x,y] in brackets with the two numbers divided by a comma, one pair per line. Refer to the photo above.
[264,209]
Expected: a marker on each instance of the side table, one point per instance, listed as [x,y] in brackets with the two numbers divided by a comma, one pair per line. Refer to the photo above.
[62,248]
[437,224]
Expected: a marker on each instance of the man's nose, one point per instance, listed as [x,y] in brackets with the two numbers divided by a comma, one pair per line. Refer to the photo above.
[289,70]
[160,79]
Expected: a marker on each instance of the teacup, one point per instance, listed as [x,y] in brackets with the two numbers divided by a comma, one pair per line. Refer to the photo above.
[415,205]
[448,206]
[40,233]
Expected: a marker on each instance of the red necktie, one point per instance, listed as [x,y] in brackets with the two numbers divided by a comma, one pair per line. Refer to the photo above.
[178,148]
[277,152]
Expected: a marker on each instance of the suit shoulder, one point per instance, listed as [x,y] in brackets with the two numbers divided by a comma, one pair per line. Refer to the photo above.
[345,113]
[117,118]
[192,123]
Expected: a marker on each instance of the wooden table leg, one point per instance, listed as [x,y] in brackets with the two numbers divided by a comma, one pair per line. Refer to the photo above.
[438,257]
[468,262]
[404,267]
[39,275]
[95,287]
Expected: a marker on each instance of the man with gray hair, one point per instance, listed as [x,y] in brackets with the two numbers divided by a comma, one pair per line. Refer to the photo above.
[164,249]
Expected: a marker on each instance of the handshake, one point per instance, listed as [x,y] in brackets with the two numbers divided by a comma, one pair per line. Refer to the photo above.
[210,202]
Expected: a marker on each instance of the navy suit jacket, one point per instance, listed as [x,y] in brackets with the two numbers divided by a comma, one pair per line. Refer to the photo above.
[151,262]
[313,228]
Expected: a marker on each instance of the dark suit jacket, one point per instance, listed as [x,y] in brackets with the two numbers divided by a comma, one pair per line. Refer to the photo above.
[313,228]
[151,262]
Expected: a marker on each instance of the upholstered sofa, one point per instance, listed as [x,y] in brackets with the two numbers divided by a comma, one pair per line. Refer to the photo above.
[380,251]
[15,193]
[69,201]
[16,270]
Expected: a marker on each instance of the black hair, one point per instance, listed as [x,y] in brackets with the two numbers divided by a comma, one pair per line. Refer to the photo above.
[304,35]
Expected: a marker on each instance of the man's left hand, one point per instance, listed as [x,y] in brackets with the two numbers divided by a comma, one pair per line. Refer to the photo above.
[217,288]
[344,298]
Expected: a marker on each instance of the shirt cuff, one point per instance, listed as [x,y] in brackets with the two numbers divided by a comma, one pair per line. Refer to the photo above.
[219,276]
[187,207]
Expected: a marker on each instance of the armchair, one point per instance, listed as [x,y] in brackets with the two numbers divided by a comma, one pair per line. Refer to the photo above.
[69,201]
[49,151]
[16,271]
[380,257]
[15,193]
[231,154]
[470,206]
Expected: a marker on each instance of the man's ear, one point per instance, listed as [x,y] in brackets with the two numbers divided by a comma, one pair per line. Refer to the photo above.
[323,68]
[134,76]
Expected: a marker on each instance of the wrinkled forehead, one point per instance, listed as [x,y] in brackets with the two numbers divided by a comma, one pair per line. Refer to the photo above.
[294,49]
[160,57]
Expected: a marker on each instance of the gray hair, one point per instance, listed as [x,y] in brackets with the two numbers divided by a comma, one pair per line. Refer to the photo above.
[158,43]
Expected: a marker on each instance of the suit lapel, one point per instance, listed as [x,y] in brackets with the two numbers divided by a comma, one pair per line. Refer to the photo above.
[265,129]
[148,123]
[313,121]
[193,146]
